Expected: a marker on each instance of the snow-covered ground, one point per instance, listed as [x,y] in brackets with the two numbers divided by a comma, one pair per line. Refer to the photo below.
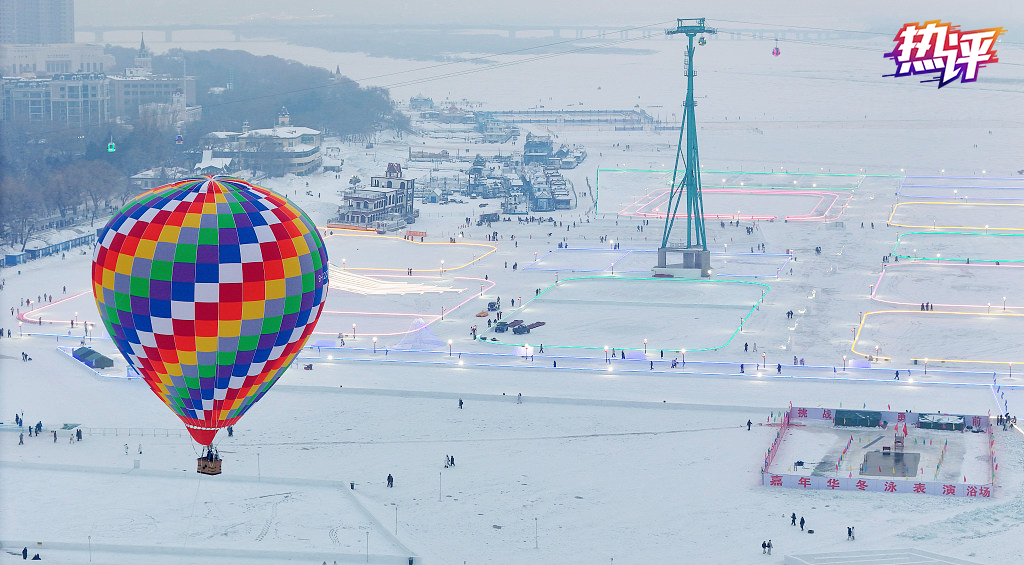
[602,460]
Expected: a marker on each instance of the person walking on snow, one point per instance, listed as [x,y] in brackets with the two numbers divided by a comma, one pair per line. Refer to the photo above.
[748,425]
[801,523]
[391,481]
[792,519]
[769,547]
[764,547]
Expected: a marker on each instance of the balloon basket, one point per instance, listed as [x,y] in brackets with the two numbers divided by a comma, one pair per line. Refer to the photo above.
[208,467]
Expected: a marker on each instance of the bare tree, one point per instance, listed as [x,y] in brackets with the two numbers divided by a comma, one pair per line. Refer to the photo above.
[21,206]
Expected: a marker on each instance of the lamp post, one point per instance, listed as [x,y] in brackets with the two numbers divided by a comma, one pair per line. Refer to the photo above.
[449,348]
[1004,304]
[926,366]
[22,335]
[353,330]
[844,363]
[605,347]
[441,272]
[989,307]
[645,346]
[764,363]
[375,344]
[442,312]
[342,264]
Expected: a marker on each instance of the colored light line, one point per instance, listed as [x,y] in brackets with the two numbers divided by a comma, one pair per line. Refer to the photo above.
[960,204]
[433,268]
[659,197]
[899,241]
[988,306]
[482,338]
[866,315]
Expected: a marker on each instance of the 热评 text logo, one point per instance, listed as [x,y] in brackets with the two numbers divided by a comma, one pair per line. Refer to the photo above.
[942,50]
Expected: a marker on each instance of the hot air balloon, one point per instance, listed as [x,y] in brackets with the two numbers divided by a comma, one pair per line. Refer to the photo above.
[209,287]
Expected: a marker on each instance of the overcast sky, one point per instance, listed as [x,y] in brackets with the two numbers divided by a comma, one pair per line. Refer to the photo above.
[860,15]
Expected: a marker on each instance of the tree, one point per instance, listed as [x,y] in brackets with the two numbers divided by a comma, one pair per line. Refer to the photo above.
[355,180]
[100,182]
[20,208]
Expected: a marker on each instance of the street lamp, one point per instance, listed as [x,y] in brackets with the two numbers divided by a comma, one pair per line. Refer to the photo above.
[926,366]
[343,264]
[449,347]
[353,330]
[764,363]
[844,363]
[375,344]
[442,267]
[605,347]
[645,346]
[1004,304]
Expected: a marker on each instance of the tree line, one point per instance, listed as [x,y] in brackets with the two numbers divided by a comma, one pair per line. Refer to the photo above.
[52,175]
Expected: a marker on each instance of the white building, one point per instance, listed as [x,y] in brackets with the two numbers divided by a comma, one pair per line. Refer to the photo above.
[42,60]
[284,149]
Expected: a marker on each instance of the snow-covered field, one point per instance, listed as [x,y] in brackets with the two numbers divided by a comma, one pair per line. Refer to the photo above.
[601,460]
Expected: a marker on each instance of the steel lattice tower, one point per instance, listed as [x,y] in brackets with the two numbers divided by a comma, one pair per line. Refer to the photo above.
[690,182]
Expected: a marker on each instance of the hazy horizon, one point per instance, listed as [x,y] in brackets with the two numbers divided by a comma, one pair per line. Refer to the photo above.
[868,15]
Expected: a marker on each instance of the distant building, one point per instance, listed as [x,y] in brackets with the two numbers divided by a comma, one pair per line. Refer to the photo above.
[37,21]
[58,58]
[537,149]
[134,93]
[388,202]
[211,165]
[278,151]
[72,99]
[153,178]
[421,102]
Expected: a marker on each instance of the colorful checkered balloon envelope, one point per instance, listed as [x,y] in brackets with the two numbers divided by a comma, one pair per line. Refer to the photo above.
[209,287]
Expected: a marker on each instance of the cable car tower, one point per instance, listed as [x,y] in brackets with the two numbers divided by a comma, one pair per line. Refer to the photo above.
[695,254]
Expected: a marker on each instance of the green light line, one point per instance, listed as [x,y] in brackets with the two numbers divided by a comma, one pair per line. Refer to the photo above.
[766,288]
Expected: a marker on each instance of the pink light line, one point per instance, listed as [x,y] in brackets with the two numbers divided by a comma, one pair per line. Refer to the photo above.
[432,317]
[639,207]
